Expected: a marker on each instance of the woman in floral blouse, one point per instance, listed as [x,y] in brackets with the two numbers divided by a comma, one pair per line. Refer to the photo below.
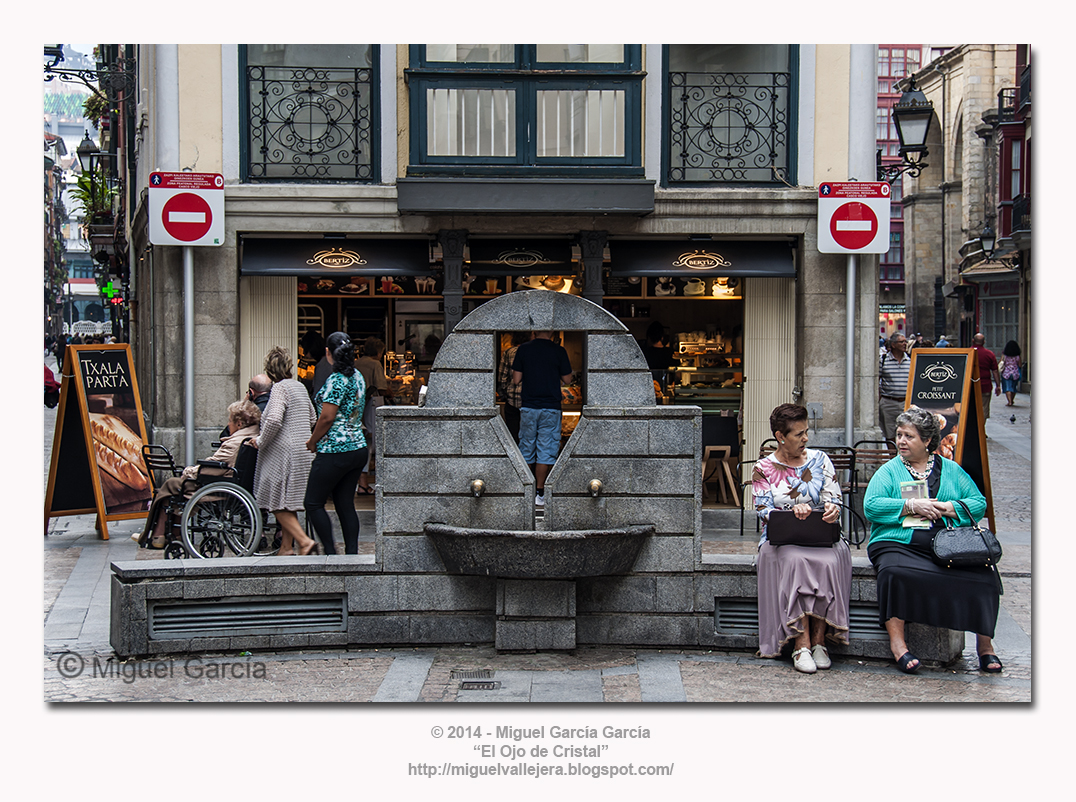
[803,591]
[340,446]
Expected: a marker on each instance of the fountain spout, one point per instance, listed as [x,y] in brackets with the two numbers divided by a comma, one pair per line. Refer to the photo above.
[595,487]
[478,487]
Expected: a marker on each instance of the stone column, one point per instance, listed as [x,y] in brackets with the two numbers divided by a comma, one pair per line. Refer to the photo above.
[592,251]
[452,242]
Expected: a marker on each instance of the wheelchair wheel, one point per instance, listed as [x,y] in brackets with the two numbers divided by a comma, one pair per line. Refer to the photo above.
[221,516]
[269,543]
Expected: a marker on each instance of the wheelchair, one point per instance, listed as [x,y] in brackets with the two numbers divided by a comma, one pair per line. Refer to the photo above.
[214,513]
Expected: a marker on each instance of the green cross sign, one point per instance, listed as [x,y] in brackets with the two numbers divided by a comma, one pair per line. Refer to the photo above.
[110,291]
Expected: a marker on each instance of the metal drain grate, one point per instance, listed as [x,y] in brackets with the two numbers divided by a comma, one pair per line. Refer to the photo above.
[740,617]
[479,673]
[475,685]
[863,622]
[736,616]
[229,617]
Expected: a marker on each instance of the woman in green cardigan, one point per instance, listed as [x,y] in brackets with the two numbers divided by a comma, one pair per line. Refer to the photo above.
[918,487]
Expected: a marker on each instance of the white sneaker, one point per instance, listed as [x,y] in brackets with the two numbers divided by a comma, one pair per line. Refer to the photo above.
[539,501]
[821,657]
[802,661]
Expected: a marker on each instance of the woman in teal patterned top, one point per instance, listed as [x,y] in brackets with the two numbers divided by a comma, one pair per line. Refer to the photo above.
[340,446]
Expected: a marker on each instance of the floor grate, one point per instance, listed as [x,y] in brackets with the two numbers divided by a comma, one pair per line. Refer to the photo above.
[475,685]
[480,673]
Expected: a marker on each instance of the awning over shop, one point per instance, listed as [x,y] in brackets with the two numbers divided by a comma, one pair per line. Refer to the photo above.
[320,257]
[760,258]
[990,271]
[520,257]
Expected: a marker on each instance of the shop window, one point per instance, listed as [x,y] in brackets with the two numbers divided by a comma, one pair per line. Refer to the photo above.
[309,112]
[525,109]
[729,113]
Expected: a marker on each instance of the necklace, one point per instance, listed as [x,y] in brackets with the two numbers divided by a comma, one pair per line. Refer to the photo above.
[919,474]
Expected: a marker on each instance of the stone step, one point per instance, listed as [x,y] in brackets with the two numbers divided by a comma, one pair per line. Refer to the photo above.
[725,519]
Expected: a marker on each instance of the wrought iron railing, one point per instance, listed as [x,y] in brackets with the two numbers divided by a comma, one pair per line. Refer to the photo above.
[1025,88]
[729,127]
[1021,213]
[310,123]
[1007,104]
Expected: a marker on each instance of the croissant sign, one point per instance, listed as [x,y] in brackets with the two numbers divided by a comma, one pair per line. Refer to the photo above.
[853,217]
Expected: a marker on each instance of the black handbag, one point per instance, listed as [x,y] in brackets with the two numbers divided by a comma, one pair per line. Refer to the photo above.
[967,547]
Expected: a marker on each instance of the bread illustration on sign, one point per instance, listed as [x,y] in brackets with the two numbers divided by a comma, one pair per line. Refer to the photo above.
[118,450]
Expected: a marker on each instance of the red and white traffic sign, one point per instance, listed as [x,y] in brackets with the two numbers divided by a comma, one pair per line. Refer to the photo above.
[853,217]
[186,209]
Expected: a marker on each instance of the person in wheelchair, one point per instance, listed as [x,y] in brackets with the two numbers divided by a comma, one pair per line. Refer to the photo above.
[244,418]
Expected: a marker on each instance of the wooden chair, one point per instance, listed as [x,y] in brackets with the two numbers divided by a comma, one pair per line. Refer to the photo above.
[720,454]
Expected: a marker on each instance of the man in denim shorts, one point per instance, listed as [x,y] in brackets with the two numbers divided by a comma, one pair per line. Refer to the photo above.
[541,366]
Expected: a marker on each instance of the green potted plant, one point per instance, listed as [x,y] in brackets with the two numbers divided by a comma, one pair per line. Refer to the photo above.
[95,196]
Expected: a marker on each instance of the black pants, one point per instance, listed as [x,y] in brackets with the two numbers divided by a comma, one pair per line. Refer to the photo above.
[336,475]
[511,420]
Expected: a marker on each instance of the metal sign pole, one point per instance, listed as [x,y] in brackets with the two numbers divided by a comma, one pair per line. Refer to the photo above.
[188,352]
[850,352]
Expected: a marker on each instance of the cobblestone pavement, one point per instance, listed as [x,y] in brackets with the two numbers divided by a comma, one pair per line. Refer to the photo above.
[76,560]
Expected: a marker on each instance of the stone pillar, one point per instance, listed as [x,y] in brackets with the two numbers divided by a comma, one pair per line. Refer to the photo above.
[592,251]
[452,243]
[535,615]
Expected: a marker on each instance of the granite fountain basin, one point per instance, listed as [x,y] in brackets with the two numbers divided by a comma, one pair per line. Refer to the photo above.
[537,554]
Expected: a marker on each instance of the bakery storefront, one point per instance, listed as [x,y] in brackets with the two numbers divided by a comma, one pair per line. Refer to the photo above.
[370,287]
[728,307]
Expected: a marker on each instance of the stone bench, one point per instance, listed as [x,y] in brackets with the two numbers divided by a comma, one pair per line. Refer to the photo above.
[192,606]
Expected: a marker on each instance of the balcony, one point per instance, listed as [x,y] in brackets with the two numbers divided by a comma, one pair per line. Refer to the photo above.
[309,124]
[729,128]
[1021,221]
[1007,105]
[1025,91]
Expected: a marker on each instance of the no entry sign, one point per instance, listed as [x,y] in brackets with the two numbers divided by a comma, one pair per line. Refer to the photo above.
[853,217]
[186,209]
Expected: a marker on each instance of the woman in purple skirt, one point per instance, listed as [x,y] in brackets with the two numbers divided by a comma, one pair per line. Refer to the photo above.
[803,591]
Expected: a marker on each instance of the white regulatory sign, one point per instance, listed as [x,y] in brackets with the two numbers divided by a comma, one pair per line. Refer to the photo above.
[853,217]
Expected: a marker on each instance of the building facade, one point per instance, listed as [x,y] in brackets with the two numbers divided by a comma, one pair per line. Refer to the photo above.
[947,207]
[389,190]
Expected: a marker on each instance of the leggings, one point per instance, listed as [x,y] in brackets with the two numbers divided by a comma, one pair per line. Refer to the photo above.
[336,475]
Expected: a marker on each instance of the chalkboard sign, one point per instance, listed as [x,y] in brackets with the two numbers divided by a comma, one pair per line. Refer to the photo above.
[97,448]
[622,286]
[945,381]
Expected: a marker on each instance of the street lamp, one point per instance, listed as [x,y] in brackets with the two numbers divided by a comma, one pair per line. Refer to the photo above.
[987,241]
[87,149]
[912,116]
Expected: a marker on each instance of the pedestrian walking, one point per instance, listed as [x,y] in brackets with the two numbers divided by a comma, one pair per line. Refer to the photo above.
[1010,371]
[989,380]
[283,460]
[339,445]
[893,383]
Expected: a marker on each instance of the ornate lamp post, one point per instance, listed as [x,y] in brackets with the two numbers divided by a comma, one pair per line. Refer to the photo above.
[912,116]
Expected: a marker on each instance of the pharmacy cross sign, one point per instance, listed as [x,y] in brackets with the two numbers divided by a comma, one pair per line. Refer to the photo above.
[186,208]
[110,291]
[853,217]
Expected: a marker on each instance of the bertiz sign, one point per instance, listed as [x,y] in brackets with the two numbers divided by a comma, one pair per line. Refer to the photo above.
[186,209]
[853,217]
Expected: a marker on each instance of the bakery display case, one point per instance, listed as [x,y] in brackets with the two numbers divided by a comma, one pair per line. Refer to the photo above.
[710,374]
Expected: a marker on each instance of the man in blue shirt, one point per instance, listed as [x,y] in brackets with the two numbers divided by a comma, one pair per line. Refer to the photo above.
[541,366]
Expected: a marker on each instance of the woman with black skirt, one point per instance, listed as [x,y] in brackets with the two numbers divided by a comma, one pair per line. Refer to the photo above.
[921,487]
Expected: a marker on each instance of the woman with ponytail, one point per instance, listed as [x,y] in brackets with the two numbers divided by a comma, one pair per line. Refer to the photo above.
[339,446]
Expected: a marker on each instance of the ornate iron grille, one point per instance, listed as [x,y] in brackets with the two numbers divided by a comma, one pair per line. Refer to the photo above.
[729,127]
[310,123]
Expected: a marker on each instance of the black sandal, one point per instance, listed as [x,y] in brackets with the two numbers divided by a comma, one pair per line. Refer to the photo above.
[990,663]
[905,659]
